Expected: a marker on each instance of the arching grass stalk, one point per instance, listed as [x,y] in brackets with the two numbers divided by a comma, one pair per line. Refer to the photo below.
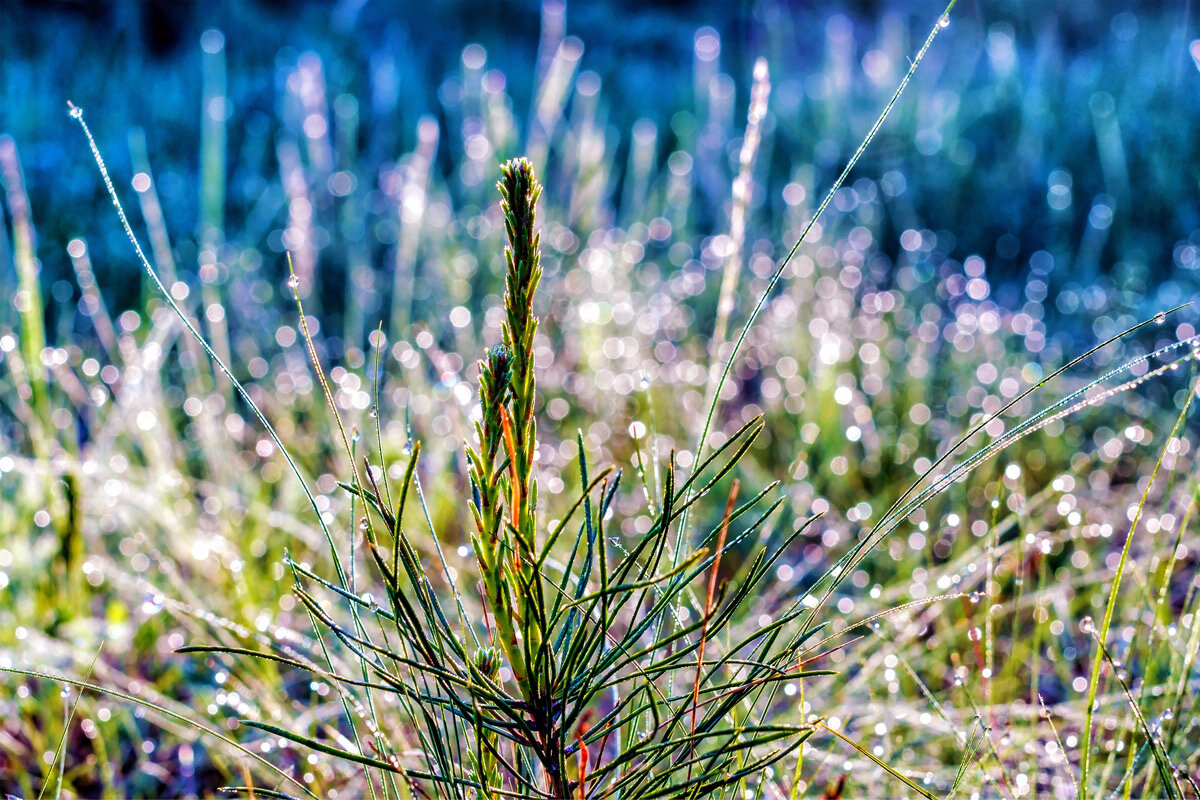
[204,730]
[715,394]
[1082,398]
[77,114]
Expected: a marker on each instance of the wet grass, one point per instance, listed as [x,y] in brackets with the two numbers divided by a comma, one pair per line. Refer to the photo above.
[1003,564]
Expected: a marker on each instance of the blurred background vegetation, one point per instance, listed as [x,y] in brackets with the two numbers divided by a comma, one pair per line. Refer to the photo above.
[1043,111]
[1034,192]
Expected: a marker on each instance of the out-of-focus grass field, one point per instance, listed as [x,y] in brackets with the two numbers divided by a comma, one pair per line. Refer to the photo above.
[1033,194]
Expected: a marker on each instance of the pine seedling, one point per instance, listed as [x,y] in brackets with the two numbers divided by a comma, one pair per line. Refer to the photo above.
[492,540]
[505,545]
[605,676]
[519,192]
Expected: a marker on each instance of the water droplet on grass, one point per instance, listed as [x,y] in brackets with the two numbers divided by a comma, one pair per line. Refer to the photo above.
[152,604]
[293,282]
[1160,318]
[944,22]
[1087,625]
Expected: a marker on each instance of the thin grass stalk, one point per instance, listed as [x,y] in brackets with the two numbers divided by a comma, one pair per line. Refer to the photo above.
[76,113]
[743,187]
[943,21]
[1088,625]
[166,712]
[30,307]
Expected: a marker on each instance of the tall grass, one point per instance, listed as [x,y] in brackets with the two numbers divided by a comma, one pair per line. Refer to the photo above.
[903,641]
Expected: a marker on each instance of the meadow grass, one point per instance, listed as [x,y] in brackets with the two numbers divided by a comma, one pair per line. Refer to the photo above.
[959,624]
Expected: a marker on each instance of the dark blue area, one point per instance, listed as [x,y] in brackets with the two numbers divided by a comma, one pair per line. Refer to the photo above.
[1082,71]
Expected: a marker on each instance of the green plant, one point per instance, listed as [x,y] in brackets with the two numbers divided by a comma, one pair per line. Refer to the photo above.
[617,679]
[602,688]
[584,636]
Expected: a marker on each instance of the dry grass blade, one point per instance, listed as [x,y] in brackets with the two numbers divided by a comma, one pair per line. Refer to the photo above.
[708,601]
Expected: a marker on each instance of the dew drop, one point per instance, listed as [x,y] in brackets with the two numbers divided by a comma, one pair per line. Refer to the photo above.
[152,604]
[368,600]
[408,447]
[66,692]
[644,383]
[76,112]
[975,597]
[1160,318]
[1168,715]
[294,282]
[944,22]
[1087,625]
[374,412]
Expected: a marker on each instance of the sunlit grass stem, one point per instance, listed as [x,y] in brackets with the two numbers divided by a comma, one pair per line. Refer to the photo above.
[1101,634]
[714,400]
